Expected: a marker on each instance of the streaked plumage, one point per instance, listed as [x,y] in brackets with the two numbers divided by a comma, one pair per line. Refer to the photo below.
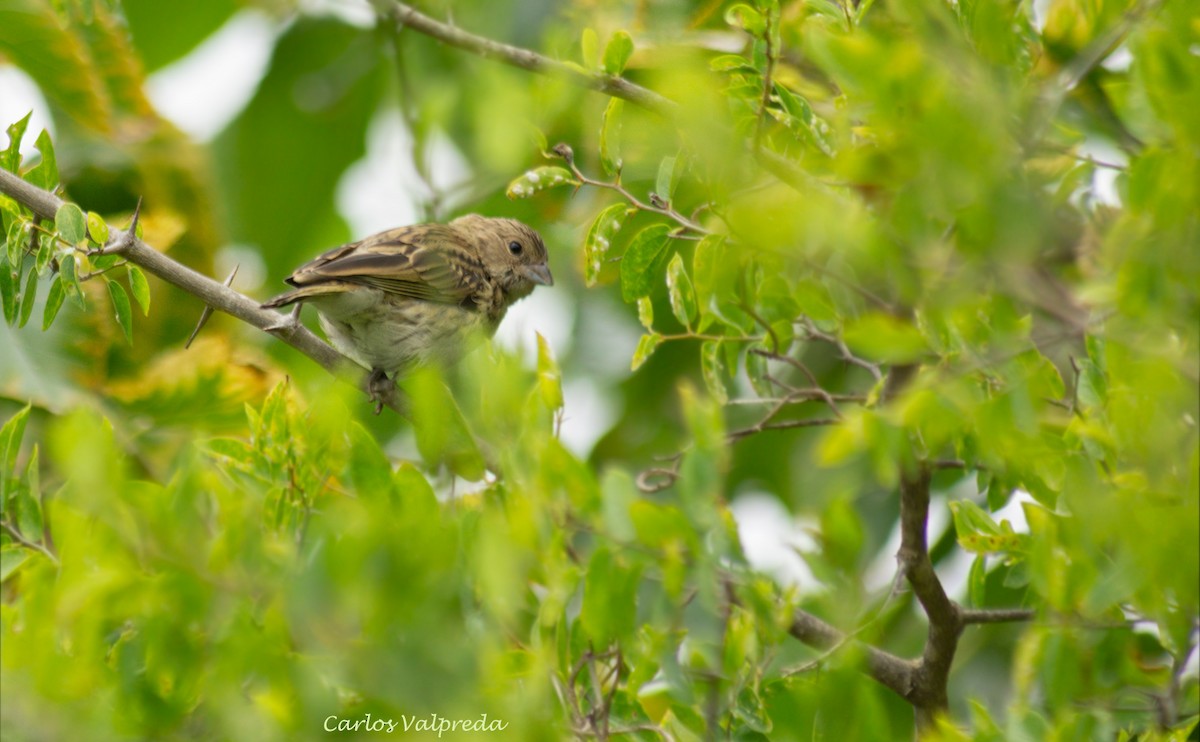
[420,294]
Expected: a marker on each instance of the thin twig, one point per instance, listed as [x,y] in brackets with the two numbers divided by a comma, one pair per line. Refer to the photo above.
[763,425]
[814,333]
[944,464]
[12,531]
[765,99]
[618,87]
[995,615]
[92,274]
[665,209]
[816,390]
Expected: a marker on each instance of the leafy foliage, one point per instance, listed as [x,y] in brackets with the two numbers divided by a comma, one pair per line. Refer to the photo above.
[871,240]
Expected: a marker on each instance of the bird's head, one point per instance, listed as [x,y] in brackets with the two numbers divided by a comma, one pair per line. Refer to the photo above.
[512,252]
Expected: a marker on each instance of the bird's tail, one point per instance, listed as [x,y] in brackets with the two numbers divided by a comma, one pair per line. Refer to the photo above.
[306,292]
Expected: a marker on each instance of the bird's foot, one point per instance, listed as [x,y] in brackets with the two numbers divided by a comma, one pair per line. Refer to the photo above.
[379,388]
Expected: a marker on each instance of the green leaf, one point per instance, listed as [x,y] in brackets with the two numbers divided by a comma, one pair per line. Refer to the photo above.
[443,435]
[15,241]
[977,581]
[733,317]
[10,158]
[233,450]
[713,271]
[885,338]
[10,280]
[44,255]
[599,239]
[70,224]
[757,370]
[589,48]
[27,298]
[28,503]
[610,137]
[97,228]
[102,263]
[617,53]
[713,370]
[12,557]
[731,63]
[619,494]
[744,17]
[73,63]
[120,302]
[11,434]
[660,525]
[549,376]
[702,467]
[827,8]
[681,293]
[539,140]
[979,534]
[45,173]
[643,260]
[609,608]
[861,11]
[54,302]
[1091,389]
[645,347]
[539,179]
[369,467]
[67,269]
[798,117]
[645,309]
[140,287]
[664,183]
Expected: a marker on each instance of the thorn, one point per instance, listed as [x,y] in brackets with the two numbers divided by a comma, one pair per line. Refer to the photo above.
[137,212]
[286,325]
[208,310]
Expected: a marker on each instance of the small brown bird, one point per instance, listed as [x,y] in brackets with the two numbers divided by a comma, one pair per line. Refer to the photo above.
[421,294]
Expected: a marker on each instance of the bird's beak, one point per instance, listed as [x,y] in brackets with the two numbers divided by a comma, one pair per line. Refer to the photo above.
[539,274]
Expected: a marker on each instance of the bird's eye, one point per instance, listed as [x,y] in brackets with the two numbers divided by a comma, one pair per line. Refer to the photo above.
[515,248]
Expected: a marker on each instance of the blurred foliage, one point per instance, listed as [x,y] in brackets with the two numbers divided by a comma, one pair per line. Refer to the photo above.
[866,235]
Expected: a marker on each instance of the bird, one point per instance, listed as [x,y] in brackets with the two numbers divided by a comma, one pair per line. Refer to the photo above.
[418,295]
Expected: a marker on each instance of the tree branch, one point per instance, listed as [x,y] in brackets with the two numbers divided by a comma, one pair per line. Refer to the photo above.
[124,243]
[404,15]
[945,619]
[995,615]
[894,673]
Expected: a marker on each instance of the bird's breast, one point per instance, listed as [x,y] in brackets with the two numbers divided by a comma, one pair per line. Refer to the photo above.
[394,333]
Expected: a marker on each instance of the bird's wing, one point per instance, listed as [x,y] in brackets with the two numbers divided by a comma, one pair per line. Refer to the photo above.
[428,262]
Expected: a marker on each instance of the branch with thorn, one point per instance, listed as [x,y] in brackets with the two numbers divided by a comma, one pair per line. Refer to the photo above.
[216,296]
